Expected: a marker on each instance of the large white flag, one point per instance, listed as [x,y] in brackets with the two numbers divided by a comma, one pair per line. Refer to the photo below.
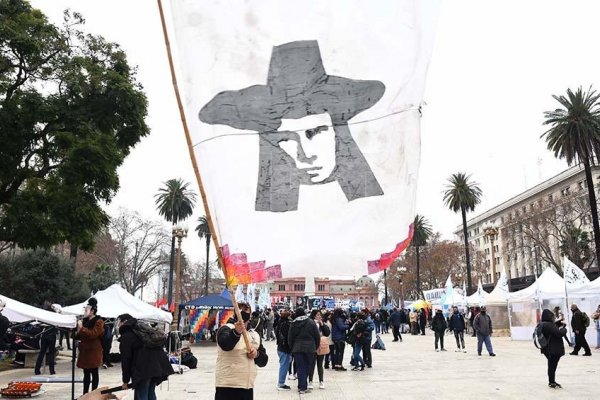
[305,120]
[573,275]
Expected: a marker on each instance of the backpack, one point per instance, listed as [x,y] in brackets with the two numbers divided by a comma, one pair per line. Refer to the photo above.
[323,346]
[151,337]
[585,319]
[539,340]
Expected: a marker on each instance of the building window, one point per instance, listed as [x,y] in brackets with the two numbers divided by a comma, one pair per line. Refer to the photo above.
[282,288]
[321,288]
[299,287]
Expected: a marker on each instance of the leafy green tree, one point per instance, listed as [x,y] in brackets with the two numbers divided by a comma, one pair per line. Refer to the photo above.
[575,244]
[35,276]
[574,135]
[203,231]
[70,112]
[102,277]
[175,203]
[422,233]
[463,195]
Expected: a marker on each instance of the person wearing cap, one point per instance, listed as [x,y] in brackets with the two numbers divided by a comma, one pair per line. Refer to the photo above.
[142,368]
[302,116]
[89,332]
[483,328]
[4,324]
[235,370]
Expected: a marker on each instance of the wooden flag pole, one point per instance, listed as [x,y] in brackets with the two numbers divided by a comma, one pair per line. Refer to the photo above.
[190,147]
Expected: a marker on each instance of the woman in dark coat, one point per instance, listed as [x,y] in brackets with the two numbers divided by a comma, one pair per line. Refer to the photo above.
[90,331]
[142,368]
[555,348]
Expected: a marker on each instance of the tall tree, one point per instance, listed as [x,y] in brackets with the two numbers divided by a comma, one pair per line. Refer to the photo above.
[70,112]
[422,233]
[175,203]
[463,195]
[574,135]
[203,231]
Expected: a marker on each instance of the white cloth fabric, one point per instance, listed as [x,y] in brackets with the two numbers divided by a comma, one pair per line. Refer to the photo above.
[115,301]
[16,311]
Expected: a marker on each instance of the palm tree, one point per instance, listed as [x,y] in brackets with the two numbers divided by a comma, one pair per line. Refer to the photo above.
[204,233]
[463,195]
[575,136]
[174,202]
[422,233]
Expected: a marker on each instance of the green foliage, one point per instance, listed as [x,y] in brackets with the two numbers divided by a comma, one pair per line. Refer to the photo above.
[175,202]
[461,193]
[70,112]
[575,128]
[38,275]
[102,277]
[422,231]
[575,244]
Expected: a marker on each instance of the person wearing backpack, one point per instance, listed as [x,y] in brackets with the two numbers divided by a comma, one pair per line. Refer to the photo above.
[579,324]
[142,367]
[551,344]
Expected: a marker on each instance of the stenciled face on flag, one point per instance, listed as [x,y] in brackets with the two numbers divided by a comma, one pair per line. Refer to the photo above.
[305,119]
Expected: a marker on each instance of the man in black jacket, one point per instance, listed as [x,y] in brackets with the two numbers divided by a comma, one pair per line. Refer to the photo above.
[439,325]
[457,325]
[142,367]
[303,338]
[396,321]
[555,348]
[579,328]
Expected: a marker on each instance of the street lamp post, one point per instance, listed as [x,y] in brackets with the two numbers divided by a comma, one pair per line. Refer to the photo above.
[179,233]
[401,271]
[491,233]
[385,298]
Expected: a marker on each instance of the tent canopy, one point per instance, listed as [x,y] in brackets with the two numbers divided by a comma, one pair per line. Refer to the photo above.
[115,301]
[16,311]
[548,285]
[222,301]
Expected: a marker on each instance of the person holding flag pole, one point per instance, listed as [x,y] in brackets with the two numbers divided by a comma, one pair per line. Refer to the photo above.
[231,383]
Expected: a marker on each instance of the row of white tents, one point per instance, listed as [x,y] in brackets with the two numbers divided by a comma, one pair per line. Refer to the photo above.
[518,313]
[112,302]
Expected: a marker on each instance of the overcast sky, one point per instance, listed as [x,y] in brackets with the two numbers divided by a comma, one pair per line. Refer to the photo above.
[493,71]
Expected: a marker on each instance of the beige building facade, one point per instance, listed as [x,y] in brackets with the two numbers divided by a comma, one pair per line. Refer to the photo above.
[521,234]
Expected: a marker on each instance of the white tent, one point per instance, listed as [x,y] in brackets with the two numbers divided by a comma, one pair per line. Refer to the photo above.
[500,293]
[548,285]
[479,297]
[115,301]
[16,311]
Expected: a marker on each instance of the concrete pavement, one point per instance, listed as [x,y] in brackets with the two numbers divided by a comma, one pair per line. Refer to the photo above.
[410,370]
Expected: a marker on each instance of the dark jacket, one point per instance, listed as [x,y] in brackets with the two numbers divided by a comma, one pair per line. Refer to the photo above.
[338,329]
[396,318]
[281,333]
[457,322]
[139,363]
[577,322]
[483,324]
[553,334]
[304,336]
[370,327]
[438,323]
[324,330]
[4,324]
[90,345]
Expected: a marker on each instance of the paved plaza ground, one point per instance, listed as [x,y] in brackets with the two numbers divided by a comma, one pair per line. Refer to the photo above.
[409,370]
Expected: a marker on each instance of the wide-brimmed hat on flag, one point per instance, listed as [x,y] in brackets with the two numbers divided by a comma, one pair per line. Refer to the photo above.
[297,86]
